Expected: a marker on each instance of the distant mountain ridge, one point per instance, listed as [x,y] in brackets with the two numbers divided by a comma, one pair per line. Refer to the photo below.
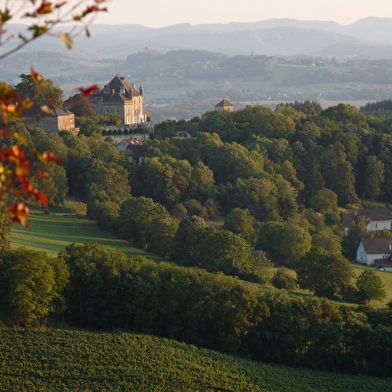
[370,36]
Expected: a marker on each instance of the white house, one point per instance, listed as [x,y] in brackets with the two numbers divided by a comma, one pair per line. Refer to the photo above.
[380,218]
[375,251]
[123,145]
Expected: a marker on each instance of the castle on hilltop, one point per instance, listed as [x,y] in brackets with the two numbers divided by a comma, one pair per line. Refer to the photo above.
[121,98]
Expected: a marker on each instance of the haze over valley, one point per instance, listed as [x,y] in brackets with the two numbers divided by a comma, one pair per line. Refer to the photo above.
[185,69]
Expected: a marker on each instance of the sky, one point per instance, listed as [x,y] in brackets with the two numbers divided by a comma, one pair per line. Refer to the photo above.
[158,13]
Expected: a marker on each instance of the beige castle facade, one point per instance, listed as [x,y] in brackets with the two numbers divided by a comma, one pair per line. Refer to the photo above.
[121,98]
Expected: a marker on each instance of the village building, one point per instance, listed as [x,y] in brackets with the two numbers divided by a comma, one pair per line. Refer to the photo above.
[224,105]
[380,218]
[187,130]
[138,152]
[51,119]
[121,98]
[375,251]
[123,145]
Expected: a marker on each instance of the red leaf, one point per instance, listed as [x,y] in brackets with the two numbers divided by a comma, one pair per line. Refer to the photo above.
[28,188]
[41,197]
[35,76]
[44,8]
[42,175]
[92,8]
[89,90]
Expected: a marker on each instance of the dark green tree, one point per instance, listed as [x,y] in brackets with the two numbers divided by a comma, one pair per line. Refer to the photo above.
[370,287]
[182,248]
[292,243]
[338,174]
[42,93]
[136,218]
[30,281]
[327,274]
[283,279]
[221,250]
[324,200]
[241,222]
[374,178]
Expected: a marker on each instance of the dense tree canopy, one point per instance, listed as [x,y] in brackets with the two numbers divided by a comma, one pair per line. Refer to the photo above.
[328,275]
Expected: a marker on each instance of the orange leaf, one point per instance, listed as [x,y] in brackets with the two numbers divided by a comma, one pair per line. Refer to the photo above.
[42,175]
[35,76]
[20,213]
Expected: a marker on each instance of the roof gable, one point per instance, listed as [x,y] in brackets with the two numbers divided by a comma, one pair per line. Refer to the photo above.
[118,85]
[377,245]
[224,104]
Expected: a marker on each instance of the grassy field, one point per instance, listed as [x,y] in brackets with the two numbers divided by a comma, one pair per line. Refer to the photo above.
[65,360]
[51,233]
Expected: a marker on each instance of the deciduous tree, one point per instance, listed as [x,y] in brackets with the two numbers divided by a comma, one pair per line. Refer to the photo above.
[327,274]
[370,287]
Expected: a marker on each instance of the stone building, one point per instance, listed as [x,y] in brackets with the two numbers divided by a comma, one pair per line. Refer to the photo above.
[224,105]
[121,98]
[51,120]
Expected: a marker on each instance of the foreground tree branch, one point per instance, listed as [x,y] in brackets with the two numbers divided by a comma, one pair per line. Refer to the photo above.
[17,162]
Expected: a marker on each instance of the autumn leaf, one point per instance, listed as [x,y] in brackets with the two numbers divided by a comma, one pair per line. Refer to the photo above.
[37,78]
[88,91]
[42,175]
[41,197]
[20,213]
[44,8]
[66,41]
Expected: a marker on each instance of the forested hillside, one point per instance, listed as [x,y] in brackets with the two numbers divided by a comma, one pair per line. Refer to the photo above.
[251,188]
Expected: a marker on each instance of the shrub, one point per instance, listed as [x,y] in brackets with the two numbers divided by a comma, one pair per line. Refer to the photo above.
[283,279]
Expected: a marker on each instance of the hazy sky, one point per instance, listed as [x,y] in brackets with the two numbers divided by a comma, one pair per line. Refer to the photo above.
[158,13]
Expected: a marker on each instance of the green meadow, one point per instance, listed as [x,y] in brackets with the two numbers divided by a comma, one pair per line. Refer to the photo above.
[52,233]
